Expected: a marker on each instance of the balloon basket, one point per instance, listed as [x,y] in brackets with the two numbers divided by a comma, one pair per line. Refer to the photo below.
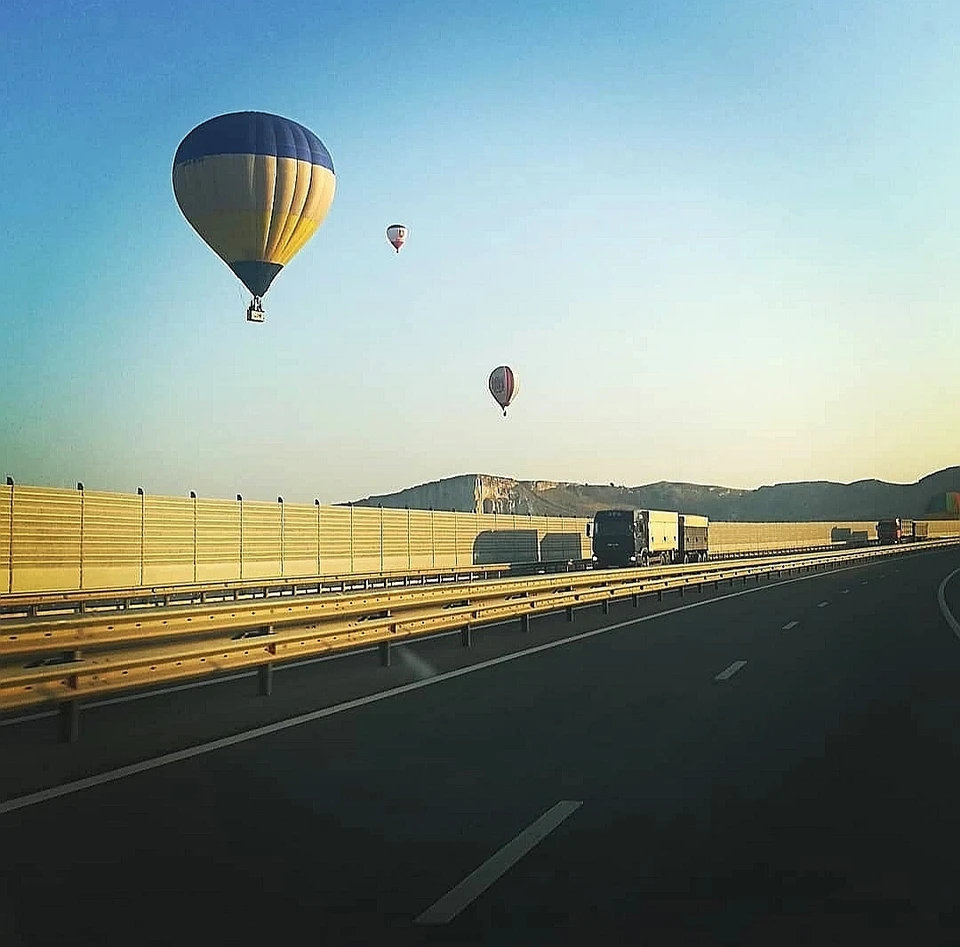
[255,311]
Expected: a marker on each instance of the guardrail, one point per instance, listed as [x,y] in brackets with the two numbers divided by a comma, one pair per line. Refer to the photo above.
[16,605]
[63,659]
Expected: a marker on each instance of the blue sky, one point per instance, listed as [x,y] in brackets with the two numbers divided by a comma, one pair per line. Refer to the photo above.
[717,242]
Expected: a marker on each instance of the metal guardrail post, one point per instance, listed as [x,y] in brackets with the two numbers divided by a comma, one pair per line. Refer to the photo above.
[525,622]
[193,496]
[69,721]
[466,636]
[280,501]
[80,489]
[316,503]
[240,555]
[11,485]
[265,680]
[384,650]
[143,523]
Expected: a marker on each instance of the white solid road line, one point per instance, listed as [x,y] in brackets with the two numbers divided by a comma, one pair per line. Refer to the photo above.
[26,718]
[457,898]
[823,605]
[948,616]
[88,782]
[789,625]
[727,673]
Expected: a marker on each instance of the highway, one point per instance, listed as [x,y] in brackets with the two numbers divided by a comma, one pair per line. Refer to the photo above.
[769,764]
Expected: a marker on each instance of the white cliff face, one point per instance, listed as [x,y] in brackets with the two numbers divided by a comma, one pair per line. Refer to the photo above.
[505,495]
[467,493]
[498,495]
[460,494]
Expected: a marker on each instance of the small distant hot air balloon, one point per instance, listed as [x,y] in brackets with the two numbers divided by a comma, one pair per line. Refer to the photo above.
[397,235]
[255,187]
[503,386]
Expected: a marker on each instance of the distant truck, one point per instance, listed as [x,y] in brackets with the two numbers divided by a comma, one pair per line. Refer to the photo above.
[638,537]
[899,530]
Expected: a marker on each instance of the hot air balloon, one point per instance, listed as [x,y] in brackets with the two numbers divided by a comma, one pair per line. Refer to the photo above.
[255,187]
[503,386]
[397,235]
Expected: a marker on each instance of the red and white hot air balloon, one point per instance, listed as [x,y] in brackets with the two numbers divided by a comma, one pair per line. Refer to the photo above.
[503,386]
[397,235]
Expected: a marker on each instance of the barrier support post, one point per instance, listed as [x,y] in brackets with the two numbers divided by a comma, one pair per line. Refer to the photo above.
[69,714]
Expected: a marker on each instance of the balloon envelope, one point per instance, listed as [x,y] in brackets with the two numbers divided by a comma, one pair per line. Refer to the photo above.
[503,386]
[255,187]
[397,235]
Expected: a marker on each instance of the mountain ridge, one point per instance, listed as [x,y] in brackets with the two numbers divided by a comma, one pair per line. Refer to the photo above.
[933,496]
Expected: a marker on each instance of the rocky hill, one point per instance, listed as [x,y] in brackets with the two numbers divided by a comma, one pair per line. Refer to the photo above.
[791,502]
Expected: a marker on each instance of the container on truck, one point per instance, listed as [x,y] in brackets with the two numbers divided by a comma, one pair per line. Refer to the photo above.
[694,543]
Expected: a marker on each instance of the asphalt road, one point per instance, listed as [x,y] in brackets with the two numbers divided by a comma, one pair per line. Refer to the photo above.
[778,766]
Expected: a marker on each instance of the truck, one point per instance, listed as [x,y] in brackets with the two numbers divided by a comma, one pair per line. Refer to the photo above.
[900,530]
[628,537]
[694,537]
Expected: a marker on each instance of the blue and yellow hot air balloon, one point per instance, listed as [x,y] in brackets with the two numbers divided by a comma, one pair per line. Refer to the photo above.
[255,187]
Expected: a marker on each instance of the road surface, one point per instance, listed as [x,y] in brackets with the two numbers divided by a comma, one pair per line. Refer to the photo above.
[763,765]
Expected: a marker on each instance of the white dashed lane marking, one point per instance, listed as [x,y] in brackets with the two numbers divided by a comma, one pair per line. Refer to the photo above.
[728,672]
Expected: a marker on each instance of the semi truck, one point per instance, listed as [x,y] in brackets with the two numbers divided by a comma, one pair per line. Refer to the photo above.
[627,537]
[899,530]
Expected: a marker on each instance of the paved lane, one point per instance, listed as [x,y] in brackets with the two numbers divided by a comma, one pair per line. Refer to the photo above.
[810,794]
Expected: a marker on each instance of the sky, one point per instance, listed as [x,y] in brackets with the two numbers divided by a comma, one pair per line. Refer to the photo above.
[717,242]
